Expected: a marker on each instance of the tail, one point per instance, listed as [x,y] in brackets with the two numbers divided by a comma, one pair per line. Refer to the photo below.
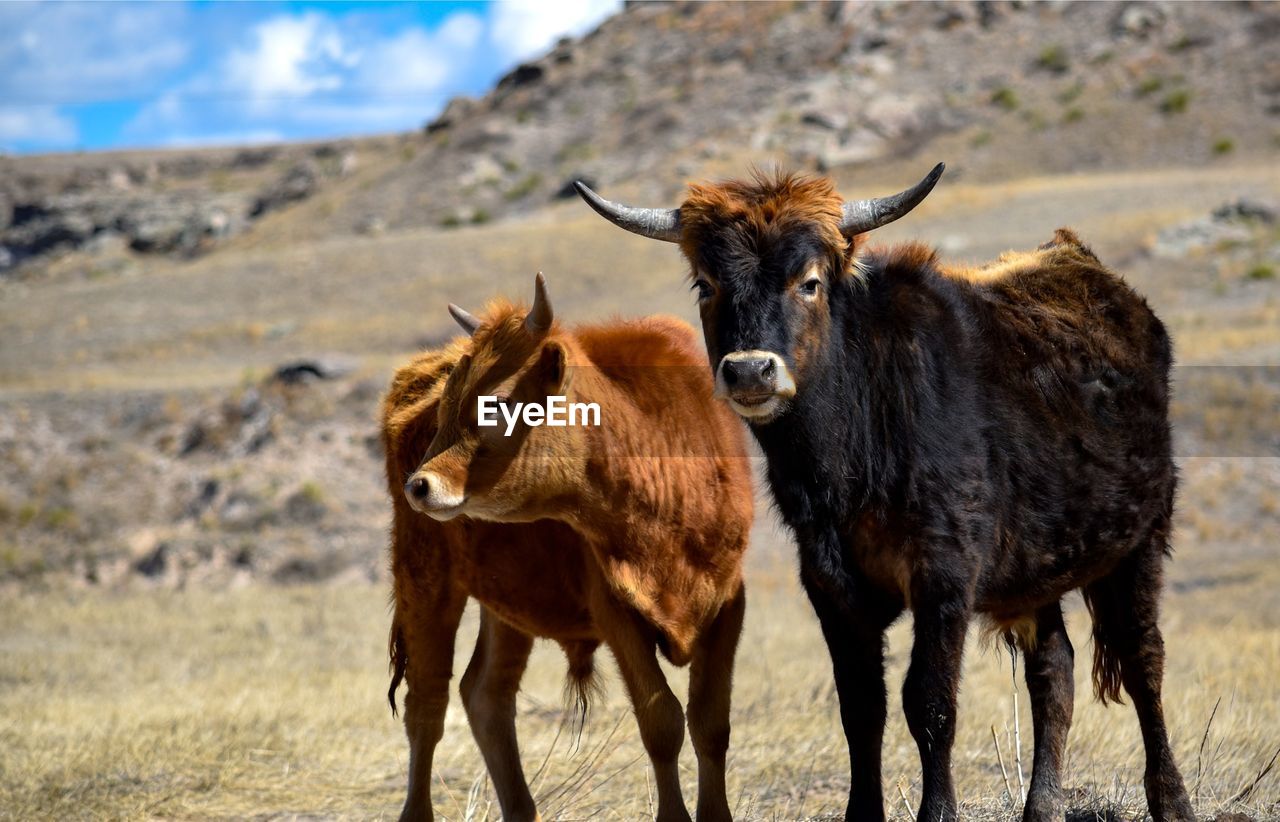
[1104,611]
[581,686]
[399,660]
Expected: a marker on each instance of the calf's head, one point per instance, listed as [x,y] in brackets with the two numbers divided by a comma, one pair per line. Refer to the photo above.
[482,471]
[769,257]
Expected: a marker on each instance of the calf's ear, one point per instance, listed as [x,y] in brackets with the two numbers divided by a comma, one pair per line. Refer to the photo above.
[553,365]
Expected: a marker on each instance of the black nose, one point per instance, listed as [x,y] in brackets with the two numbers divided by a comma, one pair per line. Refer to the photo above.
[417,488]
[750,375]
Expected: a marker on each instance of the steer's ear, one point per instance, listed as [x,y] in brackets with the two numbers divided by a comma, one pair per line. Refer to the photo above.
[553,364]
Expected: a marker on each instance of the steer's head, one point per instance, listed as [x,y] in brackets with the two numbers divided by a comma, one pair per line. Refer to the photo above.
[769,257]
[482,471]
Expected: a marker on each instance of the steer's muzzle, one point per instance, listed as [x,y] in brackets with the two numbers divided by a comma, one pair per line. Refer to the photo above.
[429,494]
[757,384]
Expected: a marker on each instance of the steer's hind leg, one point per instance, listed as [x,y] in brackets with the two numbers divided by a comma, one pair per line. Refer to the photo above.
[656,708]
[1128,644]
[1051,685]
[425,624]
[489,689]
[710,686]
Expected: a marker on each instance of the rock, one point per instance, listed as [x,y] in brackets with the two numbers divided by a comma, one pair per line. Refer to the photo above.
[157,230]
[522,75]
[118,178]
[253,157]
[155,563]
[894,116]
[824,120]
[373,226]
[563,52]
[304,371]
[1196,235]
[859,147]
[456,110]
[204,498]
[245,511]
[348,162]
[306,505]
[1138,20]
[107,242]
[1245,209]
[298,183]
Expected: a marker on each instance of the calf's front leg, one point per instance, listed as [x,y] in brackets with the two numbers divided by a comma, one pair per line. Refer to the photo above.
[489,687]
[427,627]
[657,709]
[710,686]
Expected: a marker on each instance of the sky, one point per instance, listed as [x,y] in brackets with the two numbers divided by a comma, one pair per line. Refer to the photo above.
[88,76]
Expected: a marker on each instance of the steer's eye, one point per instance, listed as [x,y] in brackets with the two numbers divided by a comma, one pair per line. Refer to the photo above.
[810,286]
[704,289]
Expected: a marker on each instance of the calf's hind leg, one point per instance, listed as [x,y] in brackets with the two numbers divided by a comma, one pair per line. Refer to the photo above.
[710,686]
[1050,683]
[489,689]
[1128,647]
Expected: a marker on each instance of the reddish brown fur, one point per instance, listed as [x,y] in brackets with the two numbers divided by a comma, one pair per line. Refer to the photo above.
[766,207]
[614,544]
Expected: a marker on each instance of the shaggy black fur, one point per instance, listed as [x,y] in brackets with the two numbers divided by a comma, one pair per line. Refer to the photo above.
[961,444]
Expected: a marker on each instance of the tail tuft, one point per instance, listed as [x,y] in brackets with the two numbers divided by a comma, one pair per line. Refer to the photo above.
[582,685]
[1106,662]
[399,660]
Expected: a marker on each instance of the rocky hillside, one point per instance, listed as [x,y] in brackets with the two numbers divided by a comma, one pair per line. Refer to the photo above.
[665,91]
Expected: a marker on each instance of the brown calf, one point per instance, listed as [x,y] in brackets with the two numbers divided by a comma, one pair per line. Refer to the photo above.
[630,533]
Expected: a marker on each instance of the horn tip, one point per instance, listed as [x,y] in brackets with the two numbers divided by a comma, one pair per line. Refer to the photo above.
[463,318]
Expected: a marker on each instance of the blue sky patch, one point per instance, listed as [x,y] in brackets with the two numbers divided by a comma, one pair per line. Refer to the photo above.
[88,76]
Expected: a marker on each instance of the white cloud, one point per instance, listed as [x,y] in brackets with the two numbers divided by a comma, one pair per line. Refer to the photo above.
[87,52]
[417,61]
[35,125]
[312,74]
[288,57]
[524,28]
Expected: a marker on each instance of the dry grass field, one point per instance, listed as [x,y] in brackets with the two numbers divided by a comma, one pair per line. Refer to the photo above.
[140,697]
[268,702]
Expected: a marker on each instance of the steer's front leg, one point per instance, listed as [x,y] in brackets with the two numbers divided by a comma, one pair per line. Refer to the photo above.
[854,618]
[929,695]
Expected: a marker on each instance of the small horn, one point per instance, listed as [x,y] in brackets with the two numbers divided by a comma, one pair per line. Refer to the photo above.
[464,318]
[862,216]
[655,223]
[539,319]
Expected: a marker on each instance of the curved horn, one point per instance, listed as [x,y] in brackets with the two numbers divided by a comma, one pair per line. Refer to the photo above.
[863,215]
[655,223]
[539,318]
[464,318]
